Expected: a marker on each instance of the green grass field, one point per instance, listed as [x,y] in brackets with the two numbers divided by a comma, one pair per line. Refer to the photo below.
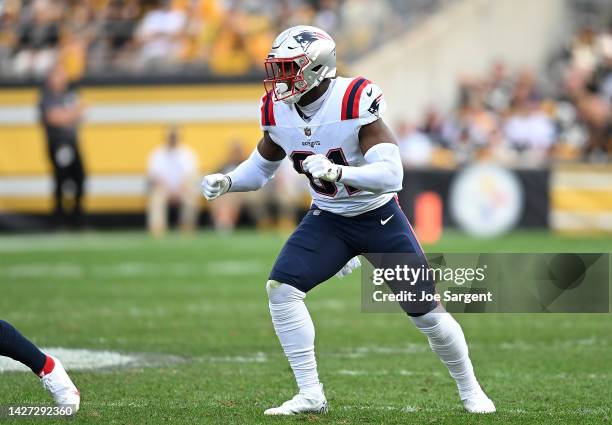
[195,312]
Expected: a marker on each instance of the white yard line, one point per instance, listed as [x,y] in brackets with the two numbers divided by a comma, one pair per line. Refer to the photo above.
[84,359]
[451,407]
[385,372]
[258,357]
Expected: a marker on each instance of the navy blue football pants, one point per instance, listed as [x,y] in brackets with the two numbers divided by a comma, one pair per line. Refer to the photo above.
[17,347]
[324,242]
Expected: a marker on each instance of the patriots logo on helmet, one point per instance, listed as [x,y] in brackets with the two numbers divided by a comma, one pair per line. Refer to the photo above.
[373,109]
[306,38]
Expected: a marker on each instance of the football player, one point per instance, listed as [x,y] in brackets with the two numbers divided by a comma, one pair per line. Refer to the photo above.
[48,368]
[331,129]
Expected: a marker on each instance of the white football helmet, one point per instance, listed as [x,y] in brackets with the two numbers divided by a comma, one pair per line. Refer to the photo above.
[301,57]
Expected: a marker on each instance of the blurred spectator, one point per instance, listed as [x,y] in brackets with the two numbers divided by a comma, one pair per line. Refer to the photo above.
[285,192]
[173,170]
[225,211]
[159,34]
[117,31]
[275,206]
[10,11]
[38,38]
[435,128]
[61,112]
[230,53]
[368,25]
[328,15]
[500,88]
[530,129]
[416,149]
[595,113]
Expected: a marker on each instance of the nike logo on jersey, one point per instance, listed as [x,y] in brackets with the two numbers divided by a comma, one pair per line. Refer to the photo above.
[369,93]
[383,222]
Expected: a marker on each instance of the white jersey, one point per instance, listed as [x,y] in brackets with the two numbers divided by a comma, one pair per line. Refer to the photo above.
[332,131]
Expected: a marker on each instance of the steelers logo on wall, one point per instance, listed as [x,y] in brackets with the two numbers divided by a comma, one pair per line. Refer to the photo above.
[486,200]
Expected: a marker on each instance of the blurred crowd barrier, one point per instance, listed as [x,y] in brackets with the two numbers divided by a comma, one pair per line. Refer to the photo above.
[124,125]
[581,198]
[487,199]
[121,128]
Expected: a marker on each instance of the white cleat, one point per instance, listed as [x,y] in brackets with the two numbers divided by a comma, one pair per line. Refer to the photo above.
[479,403]
[301,403]
[59,384]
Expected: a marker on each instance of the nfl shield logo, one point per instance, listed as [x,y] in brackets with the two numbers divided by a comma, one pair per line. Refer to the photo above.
[307,131]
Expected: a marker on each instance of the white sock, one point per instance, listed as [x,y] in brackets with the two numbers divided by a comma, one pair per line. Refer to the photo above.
[446,339]
[296,334]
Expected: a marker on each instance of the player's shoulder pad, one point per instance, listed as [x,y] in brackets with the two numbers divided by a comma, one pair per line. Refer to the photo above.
[266,107]
[363,100]
[372,104]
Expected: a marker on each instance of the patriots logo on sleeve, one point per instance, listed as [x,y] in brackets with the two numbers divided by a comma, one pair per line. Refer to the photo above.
[373,109]
[306,38]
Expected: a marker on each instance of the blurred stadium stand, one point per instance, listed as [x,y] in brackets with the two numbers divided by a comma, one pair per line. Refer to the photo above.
[536,98]
[144,40]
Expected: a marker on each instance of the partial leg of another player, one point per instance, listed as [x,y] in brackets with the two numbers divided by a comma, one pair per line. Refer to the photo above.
[50,370]
[313,254]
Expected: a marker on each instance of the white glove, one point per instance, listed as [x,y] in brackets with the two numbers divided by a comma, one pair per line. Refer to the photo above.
[214,185]
[322,168]
[349,267]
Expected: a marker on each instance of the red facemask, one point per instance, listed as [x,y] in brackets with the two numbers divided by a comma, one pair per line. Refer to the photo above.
[285,76]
